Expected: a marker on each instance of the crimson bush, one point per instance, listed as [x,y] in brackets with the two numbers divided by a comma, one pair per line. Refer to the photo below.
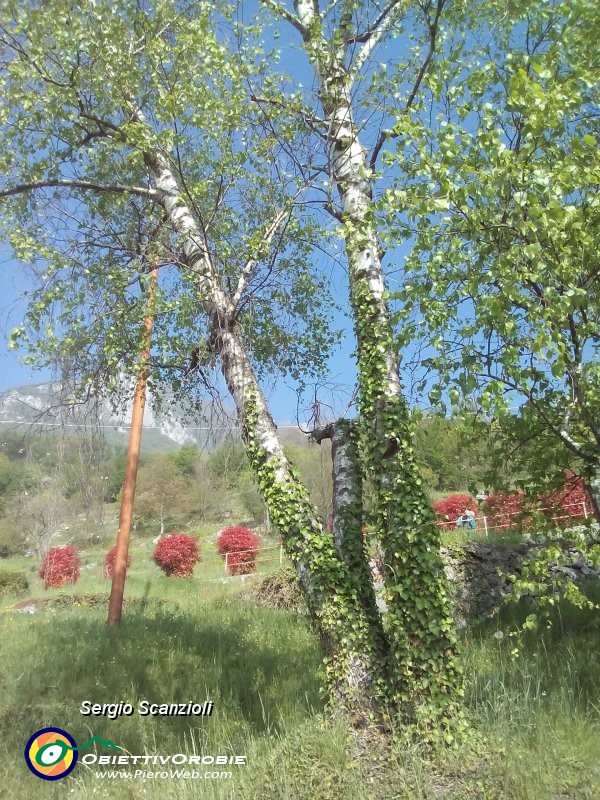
[59,566]
[177,554]
[241,545]
[569,500]
[109,561]
[508,511]
[452,507]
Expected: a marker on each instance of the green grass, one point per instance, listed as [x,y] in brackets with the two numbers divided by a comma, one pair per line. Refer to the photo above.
[460,536]
[535,719]
[144,578]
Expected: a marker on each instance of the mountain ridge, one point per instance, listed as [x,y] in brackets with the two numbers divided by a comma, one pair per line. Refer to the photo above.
[42,405]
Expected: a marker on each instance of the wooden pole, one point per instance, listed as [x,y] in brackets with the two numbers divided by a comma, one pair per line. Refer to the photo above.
[115,604]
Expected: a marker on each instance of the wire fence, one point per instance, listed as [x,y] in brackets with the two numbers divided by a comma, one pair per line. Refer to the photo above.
[274,554]
[485,522]
[234,562]
[211,564]
[236,559]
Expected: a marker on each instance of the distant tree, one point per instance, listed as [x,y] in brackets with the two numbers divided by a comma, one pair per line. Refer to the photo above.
[81,465]
[185,459]
[8,479]
[315,467]
[252,499]
[162,494]
[455,449]
[205,491]
[115,471]
[229,463]
[39,516]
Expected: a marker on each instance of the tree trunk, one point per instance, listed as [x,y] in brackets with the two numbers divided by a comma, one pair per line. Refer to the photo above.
[348,536]
[355,674]
[418,619]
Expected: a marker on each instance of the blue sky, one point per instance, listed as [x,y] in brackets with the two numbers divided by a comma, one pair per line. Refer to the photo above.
[12,306]
[283,399]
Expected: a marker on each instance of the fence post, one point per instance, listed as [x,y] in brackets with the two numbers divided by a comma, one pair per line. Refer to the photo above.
[226,560]
[485,525]
[280,554]
[585,514]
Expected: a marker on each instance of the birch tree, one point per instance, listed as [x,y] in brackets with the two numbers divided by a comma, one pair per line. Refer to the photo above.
[129,138]
[352,99]
[504,207]
[126,141]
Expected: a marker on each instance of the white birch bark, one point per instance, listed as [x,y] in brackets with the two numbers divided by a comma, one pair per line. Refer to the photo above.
[413,576]
[349,166]
[354,668]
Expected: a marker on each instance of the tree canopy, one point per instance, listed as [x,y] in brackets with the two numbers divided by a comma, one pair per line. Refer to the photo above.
[74,81]
[502,281]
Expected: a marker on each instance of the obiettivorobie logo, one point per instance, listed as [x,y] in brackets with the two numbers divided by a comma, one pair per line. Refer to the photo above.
[51,753]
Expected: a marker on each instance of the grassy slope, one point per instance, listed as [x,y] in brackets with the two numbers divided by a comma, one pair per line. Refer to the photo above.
[536,720]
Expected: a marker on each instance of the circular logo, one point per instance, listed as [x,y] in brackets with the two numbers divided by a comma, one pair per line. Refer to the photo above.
[51,753]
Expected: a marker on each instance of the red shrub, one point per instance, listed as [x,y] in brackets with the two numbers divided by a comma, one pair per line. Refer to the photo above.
[508,511]
[177,554]
[241,545]
[59,566]
[109,561]
[451,508]
[567,500]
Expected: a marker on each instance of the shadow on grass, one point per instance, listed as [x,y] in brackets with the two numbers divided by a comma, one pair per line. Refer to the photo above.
[258,667]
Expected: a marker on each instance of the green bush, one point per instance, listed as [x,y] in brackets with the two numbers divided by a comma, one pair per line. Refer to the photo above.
[252,501]
[12,543]
[13,581]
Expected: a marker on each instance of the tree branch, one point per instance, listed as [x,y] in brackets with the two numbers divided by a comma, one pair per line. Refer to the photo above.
[364,37]
[316,124]
[433,31]
[266,239]
[306,11]
[564,434]
[383,24]
[65,183]
[281,11]
[319,434]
